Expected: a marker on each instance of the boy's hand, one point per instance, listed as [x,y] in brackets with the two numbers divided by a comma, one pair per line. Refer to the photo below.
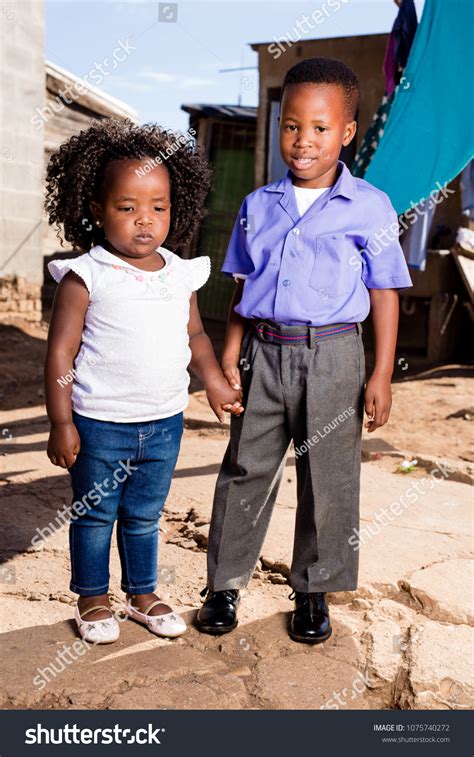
[231,372]
[64,444]
[377,401]
[221,397]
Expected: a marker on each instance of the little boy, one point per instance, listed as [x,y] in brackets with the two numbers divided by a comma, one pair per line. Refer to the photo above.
[312,254]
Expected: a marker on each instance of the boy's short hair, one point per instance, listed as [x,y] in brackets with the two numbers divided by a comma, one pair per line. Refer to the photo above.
[327,71]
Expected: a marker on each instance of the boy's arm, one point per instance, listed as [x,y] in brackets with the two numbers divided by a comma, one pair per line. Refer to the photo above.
[378,394]
[236,328]
[204,364]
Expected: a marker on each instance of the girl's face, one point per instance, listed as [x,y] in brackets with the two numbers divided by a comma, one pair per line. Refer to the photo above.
[134,209]
[313,128]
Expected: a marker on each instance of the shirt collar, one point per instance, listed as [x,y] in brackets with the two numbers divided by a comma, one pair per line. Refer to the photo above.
[345,185]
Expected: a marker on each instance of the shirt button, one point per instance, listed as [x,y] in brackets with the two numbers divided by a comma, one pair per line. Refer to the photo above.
[296,231]
[286,283]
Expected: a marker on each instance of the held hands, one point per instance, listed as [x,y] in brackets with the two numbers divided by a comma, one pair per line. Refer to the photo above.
[377,401]
[222,397]
[232,374]
[63,444]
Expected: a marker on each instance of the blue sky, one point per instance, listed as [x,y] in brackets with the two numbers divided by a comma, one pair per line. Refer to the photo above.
[179,60]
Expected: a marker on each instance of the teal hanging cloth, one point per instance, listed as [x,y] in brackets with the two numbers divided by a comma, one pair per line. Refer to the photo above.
[429,135]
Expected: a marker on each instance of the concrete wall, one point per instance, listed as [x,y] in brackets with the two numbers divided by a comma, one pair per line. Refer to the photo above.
[22,155]
[34,122]
[364,54]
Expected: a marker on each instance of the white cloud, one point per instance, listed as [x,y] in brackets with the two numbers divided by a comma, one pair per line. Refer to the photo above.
[124,83]
[180,81]
[147,81]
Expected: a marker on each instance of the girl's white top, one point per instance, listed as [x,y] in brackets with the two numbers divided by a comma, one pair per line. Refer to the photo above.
[134,353]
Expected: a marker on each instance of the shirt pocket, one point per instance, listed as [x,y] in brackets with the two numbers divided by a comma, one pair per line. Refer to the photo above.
[332,274]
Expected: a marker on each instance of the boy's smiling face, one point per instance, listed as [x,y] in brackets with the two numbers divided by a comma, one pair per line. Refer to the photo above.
[314,126]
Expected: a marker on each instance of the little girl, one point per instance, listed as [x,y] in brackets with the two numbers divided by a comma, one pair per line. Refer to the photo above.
[124,327]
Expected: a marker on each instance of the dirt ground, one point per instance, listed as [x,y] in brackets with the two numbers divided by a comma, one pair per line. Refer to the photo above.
[399,641]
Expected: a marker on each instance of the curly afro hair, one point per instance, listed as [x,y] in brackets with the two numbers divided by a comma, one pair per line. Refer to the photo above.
[75,173]
[327,71]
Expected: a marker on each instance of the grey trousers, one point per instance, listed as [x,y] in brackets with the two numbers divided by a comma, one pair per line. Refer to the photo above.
[313,395]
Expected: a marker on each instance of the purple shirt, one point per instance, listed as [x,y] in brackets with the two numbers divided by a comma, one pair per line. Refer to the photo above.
[316,269]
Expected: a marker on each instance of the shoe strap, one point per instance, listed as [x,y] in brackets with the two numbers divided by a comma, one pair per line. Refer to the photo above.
[149,607]
[96,607]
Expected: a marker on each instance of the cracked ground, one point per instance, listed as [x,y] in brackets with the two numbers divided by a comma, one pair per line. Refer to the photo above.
[401,640]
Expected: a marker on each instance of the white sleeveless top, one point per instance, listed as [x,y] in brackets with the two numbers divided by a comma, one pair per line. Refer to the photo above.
[134,353]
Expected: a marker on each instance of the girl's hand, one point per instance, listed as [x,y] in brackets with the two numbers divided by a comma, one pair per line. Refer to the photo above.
[221,398]
[377,401]
[64,444]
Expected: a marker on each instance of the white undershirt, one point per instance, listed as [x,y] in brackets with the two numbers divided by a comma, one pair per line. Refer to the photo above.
[305,197]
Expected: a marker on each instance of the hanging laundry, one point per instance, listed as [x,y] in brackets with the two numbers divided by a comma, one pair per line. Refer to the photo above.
[372,137]
[465,235]
[396,56]
[428,137]
[399,44]
[415,242]
[467,190]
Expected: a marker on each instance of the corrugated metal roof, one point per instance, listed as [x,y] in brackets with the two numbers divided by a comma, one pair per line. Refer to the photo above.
[303,40]
[239,112]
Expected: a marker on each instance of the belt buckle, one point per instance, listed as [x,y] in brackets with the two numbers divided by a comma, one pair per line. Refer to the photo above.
[312,342]
[261,326]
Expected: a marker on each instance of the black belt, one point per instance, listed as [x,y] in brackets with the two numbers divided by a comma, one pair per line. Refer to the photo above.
[279,333]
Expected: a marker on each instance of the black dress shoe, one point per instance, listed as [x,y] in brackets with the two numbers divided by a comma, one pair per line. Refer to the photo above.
[219,611]
[310,622]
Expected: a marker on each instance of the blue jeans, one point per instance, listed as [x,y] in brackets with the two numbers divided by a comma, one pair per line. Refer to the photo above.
[122,473]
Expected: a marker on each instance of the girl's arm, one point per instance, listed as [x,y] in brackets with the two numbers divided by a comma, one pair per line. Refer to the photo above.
[64,339]
[236,327]
[205,366]
[378,393]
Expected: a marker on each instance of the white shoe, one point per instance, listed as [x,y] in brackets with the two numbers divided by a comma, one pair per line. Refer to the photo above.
[97,631]
[171,624]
